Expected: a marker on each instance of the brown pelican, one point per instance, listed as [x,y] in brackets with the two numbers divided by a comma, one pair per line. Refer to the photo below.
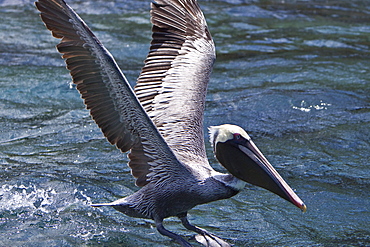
[161,121]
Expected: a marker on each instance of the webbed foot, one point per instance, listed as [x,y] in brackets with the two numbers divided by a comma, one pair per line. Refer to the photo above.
[204,237]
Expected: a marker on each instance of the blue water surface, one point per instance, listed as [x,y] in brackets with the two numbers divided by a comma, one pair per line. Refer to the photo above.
[294,74]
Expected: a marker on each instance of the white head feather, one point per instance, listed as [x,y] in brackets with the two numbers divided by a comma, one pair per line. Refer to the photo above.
[225,132]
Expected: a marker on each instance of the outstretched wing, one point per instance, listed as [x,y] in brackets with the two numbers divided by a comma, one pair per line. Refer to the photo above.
[107,94]
[173,83]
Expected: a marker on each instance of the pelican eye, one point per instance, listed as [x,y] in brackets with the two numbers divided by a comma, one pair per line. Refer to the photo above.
[237,136]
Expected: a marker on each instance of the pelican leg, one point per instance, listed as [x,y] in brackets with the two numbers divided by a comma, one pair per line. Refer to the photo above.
[167,233]
[206,238]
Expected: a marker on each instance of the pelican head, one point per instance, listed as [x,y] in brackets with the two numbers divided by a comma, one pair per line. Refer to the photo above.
[235,150]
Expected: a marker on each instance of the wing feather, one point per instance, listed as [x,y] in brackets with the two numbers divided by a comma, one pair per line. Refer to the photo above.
[173,83]
[107,94]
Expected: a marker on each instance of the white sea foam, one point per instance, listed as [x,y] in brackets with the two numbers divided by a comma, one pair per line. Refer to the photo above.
[36,198]
[18,196]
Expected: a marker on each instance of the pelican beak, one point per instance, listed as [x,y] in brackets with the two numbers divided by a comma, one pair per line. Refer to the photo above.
[241,157]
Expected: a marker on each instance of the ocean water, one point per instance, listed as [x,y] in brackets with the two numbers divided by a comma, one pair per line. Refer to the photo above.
[294,74]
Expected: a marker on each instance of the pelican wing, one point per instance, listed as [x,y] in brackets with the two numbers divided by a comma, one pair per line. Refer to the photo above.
[173,83]
[107,94]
